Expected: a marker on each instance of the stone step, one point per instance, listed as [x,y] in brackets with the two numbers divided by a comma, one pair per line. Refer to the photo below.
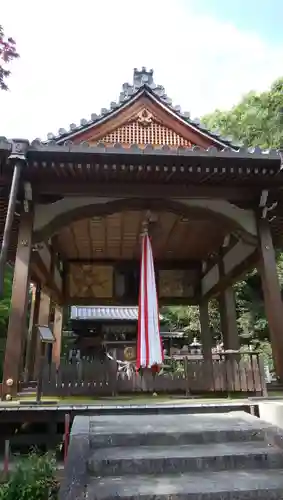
[166,430]
[168,460]
[240,485]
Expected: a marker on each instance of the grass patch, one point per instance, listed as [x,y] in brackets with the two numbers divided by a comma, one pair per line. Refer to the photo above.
[34,478]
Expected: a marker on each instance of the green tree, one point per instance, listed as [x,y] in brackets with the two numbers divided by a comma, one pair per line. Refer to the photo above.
[6,300]
[186,318]
[257,120]
[5,304]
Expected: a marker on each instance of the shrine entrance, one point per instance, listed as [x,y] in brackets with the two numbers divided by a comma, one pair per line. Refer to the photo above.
[72,209]
[100,242]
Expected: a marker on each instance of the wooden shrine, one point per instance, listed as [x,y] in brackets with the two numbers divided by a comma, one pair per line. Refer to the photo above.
[72,209]
[115,328]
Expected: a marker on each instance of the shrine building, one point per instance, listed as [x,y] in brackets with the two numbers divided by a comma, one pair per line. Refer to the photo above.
[116,327]
[73,206]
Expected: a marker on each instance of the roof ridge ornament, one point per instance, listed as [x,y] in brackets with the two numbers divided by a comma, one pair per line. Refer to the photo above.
[142,77]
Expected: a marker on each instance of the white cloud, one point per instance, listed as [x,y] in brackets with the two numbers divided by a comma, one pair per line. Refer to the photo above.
[75,56]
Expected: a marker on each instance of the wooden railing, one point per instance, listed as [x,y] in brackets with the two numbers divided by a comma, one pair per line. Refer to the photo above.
[224,374]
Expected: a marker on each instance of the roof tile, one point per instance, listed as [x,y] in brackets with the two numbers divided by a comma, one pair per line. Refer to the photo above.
[100,313]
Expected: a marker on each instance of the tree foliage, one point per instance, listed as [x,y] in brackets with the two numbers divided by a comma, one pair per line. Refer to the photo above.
[6,300]
[257,120]
[186,318]
[7,54]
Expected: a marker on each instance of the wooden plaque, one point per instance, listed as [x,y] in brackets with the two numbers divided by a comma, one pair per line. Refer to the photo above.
[176,283]
[90,280]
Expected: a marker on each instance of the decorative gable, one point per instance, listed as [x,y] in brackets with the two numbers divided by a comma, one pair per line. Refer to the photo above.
[144,115]
[144,129]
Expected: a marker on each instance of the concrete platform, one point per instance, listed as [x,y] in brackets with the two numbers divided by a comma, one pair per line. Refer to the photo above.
[241,485]
[179,407]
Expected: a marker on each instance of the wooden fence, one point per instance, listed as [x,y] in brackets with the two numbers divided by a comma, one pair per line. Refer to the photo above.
[226,373]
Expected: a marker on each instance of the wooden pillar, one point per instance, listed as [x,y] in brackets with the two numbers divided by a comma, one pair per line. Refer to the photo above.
[43,320]
[32,333]
[206,338]
[272,294]
[228,319]
[57,332]
[17,321]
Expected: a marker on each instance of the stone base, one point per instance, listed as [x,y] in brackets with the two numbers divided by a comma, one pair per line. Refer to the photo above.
[272,412]
[200,456]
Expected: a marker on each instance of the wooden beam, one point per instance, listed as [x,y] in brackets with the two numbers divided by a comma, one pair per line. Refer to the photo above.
[57,332]
[228,317]
[18,316]
[188,264]
[205,332]
[45,261]
[115,301]
[147,190]
[227,304]
[43,320]
[32,334]
[236,261]
[271,293]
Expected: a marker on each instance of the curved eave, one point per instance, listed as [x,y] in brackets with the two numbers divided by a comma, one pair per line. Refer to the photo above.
[73,162]
[69,151]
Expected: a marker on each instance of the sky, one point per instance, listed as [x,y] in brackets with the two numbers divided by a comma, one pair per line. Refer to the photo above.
[75,55]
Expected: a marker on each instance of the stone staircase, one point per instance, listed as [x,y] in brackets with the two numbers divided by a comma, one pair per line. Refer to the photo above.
[197,456]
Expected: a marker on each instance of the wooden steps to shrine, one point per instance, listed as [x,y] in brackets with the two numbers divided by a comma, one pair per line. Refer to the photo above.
[196,456]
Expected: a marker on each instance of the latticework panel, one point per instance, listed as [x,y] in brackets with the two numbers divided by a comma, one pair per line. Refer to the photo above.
[153,133]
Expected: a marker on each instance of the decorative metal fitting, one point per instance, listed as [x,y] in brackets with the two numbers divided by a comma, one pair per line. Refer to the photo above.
[9,382]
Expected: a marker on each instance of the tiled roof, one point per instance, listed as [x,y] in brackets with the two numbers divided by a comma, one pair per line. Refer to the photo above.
[51,148]
[143,83]
[99,313]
